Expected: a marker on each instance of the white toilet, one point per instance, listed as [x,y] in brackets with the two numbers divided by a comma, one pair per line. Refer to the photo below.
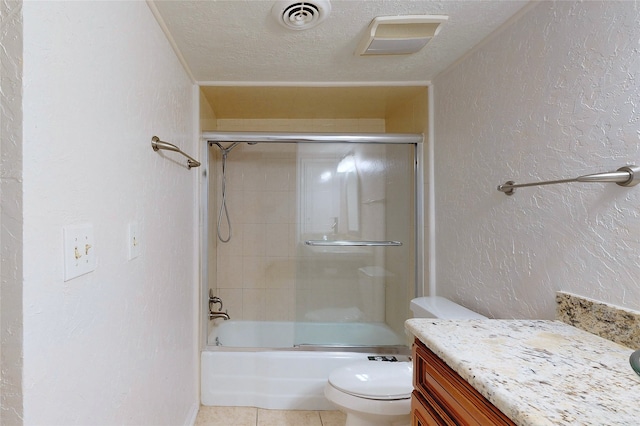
[378,393]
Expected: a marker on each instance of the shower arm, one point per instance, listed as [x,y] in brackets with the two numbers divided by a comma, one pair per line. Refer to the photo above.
[157,144]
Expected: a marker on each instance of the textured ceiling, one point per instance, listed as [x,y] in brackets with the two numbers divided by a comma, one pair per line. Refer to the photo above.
[239,41]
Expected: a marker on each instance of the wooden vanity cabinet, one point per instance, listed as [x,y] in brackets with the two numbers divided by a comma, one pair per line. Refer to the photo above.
[442,397]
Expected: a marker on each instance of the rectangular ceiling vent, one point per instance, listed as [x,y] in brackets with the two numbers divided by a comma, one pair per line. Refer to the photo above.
[399,35]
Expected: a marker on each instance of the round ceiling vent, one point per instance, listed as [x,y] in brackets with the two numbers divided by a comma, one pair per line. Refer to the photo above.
[301,15]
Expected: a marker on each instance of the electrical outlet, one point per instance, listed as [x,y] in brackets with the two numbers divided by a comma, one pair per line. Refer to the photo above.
[133,241]
[79,251]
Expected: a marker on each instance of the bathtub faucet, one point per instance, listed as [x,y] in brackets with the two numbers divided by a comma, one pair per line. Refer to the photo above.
[214,315]
[215,300]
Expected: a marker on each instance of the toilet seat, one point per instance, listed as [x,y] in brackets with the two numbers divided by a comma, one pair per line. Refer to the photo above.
[375,380]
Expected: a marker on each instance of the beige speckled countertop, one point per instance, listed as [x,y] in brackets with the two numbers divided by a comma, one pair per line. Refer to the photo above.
[538,372]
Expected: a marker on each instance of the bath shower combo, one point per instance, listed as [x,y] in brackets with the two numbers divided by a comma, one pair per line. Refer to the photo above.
[355,255]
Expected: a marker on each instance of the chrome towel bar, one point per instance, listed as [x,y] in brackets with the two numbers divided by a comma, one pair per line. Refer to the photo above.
[157,144]
[343,243]
[624,176]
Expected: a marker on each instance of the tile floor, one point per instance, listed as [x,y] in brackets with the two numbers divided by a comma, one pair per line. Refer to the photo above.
[249,416]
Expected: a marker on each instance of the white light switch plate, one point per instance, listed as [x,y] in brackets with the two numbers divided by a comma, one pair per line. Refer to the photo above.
[79,250]
[133,241]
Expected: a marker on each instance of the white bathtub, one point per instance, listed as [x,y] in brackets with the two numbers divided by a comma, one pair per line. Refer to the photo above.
[286,334]
[253,375]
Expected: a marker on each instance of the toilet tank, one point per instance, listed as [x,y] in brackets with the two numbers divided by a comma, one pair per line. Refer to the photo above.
[439,307]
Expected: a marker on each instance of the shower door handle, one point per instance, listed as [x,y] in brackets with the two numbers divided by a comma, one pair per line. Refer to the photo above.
[347,243]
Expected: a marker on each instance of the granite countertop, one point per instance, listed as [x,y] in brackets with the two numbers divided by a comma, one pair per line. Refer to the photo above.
[538,372]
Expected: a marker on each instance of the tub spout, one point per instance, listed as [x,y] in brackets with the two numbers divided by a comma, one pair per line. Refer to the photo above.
[215,300]
[214,315]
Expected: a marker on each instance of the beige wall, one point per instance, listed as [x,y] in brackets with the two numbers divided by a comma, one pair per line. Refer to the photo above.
[408,115]
[353,125]
[208,119]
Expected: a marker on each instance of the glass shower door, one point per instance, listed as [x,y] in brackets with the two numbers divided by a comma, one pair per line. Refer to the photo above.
[355,239]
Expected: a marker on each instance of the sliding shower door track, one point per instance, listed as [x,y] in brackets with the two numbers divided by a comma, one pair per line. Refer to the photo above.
[387,350]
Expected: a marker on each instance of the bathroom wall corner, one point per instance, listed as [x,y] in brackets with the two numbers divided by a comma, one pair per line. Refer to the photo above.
[11,214]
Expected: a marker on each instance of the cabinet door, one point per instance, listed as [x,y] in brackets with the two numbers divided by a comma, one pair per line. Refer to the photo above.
[426,413]
[449,396]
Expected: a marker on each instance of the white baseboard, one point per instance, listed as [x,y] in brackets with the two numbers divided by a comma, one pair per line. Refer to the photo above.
[191,417]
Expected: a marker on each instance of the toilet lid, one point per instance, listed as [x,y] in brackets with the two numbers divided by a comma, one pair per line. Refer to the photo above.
[374,379]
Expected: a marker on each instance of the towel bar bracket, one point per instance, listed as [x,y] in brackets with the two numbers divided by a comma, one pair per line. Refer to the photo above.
[157,145]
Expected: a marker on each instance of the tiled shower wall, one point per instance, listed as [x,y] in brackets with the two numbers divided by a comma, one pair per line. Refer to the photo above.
[256,268]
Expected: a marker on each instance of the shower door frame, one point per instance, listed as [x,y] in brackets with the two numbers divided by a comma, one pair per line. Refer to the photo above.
[415,139]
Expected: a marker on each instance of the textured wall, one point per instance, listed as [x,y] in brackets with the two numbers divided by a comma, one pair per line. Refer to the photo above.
[556,94]
[11,212]
[118,345]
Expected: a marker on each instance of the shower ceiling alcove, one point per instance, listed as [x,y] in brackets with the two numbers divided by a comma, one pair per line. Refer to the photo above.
[254,272]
